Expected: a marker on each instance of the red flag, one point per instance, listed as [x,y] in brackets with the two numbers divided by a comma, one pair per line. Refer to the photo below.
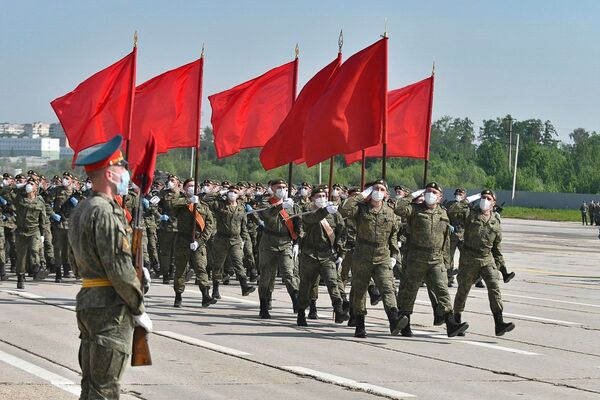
[286,145]
[409,123]
[99,107]
[168,106]
[143,172]
[248,115]
[350,114]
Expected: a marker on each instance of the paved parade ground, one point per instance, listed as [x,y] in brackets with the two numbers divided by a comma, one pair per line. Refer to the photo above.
[226,352]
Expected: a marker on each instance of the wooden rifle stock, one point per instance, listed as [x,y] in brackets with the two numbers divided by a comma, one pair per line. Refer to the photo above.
[140,353]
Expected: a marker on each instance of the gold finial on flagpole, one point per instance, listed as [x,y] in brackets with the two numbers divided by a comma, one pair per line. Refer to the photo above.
[135,38]
[297,51]
[202,54]
[433,69]
[385,29]
[341,41]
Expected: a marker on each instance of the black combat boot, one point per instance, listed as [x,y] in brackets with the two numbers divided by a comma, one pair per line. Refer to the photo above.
[66,270]
[397,322]
[178,300]
[264,312]
[215,291]
[406,331]
[3,275]
[374,295]
[252,274]
[438,318]
[451,281]
[360,331]
[294,297]
[207,300]
[506,276]
[226,279]
[501,326]
[312,311]
[479,283]
[352,320]
[301,321]
[269,302]
[189,274]
[40,274]
[58,276]
[452,327]
[21,281]
[166,280]
[339,315]
[246,289]
[458,320]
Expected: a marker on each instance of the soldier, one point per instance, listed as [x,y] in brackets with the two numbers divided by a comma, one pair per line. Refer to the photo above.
[9,216]
[151,219]
[278,246]
[454,208]
[87,188]
[110,301]
[230,216]
[322,252]
[374,255]
[428,256]
[584,212]
[192,248]
[482,256]
[303,200]
[168,226]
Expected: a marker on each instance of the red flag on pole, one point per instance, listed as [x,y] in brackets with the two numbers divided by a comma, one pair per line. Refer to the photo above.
[143,172]
[168,107]
[409,123]
[99,107]
[286,145]
[348,116]
[248,115]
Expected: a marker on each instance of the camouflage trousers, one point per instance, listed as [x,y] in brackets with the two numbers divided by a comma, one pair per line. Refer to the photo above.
[61,247]
[2,251]
[434,275]
[310,269]
[381,273]
[196,259]
[106,336]
[28,253]
[224,247]
[468,273]
[166,244]
[270,261]
[152,248]
[10,246]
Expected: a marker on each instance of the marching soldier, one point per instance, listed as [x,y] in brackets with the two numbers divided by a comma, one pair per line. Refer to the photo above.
[168,226]
[454,209]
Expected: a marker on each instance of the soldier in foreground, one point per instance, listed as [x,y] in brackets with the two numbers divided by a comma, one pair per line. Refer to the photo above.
[110,301]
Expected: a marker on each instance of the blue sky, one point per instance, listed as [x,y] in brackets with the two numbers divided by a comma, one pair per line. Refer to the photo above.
[533,59]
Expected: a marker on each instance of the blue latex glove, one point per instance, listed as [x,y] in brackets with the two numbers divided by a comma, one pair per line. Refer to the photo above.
[164,217]
[146,204]
[248,208]
[261,223]
[452,229]
[3,201]
[74,201]
[56,217]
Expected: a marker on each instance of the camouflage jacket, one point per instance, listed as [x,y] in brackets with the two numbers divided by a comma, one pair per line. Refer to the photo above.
[315,242]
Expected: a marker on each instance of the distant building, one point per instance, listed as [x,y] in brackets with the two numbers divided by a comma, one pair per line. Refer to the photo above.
[35,147]
[37,129]
[11,129]
[57,131]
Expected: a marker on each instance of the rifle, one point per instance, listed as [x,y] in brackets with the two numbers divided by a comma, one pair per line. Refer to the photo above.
[140,355]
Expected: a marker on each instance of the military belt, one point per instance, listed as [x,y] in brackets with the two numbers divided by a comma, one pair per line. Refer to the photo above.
[89,283]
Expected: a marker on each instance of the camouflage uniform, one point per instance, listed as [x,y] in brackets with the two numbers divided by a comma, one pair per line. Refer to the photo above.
[31,221]
[63,206]
[167,232]
[100,240]
[454,209]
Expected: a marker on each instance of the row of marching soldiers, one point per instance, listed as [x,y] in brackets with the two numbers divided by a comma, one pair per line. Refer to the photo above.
[361,241]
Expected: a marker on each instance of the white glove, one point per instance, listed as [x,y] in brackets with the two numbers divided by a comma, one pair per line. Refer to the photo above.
[367,192]
[295,252]
[474,197]
[399,244]
[332,208]
[194,246]
[155,200]
[223,191]
[393,261]
[287,203]
[338,262]
[417,193]
[147,275]
[42,239]
[144,321]
[194,199]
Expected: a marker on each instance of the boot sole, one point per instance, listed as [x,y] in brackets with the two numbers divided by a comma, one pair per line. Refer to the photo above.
[509,328]
[248,291]
[463,328]
[313,316]
[210,303]
[360,335]
[510,277]
[401,324]
[40,276]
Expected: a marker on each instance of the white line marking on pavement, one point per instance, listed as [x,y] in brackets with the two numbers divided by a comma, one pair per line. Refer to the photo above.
[54,379]
[349,383]
[230,298]
[26,295]
[556,321]
[202,343]
[493,346]
[543,299]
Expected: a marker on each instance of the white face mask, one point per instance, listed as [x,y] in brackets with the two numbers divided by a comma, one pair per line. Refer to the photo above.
[190,190]
[377,195]
[321,202]
[258,193]
[29,188]
[205,189]
[66,182]
[458,197]
[431,198]
[171,185]
[335,193]
[485,204]
[304,192]
[232,196]
[88,185]
[270,191]
[6,182]
[281,193]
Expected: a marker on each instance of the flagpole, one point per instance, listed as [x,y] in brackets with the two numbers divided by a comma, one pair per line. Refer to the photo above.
[385,107]
[362,170]
[294,90]
[131,95]
[426,163]
[331,160]
[198,132]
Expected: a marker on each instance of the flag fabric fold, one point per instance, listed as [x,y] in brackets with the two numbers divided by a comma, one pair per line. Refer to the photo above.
[248,115]
[409,123]
[287,143]
[143,172]
[99,107]
[168,108]
[349,115]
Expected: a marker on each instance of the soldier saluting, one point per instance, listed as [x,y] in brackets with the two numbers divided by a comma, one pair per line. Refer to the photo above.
[110,301]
